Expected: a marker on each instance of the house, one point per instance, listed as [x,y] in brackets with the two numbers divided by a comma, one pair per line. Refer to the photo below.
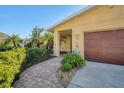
[98,32]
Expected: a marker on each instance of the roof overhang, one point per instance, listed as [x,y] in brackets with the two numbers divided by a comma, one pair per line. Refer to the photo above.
[70,17]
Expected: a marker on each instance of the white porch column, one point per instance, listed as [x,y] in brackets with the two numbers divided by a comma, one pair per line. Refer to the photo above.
[56,43]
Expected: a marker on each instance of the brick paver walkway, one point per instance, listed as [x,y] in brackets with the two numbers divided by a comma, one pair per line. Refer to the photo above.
[42,75]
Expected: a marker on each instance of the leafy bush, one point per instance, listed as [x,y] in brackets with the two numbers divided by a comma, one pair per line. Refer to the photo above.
[5,47]
[66,67]
[35,55]
[74,60]
[12,62]
[10,65]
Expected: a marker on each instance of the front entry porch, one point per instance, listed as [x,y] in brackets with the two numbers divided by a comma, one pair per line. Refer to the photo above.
[62,42]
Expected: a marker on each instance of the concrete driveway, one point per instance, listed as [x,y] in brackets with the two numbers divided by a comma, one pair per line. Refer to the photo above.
[98,75]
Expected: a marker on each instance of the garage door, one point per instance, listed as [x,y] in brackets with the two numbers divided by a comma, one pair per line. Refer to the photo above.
[105,46]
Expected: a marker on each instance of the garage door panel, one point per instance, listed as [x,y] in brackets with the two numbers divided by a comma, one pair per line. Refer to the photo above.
[94,36]
[106,46]
[120,34]
[115,44]
[113,57]
[91,54]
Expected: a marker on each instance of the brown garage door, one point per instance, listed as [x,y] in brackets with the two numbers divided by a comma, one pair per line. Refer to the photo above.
[105,46]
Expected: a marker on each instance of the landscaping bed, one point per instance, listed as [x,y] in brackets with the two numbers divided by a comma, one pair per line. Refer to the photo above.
[65,77]
[70,64]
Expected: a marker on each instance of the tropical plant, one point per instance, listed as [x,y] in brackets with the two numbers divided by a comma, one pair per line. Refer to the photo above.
[74,60]
[48,36]
[14,39]
[36,36]
[66,67]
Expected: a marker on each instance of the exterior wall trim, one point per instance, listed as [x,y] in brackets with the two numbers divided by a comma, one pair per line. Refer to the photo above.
[71,16]
[97,30]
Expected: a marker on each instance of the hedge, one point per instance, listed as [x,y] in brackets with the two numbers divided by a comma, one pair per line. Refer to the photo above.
[36,55]
[13,62]
[10,65]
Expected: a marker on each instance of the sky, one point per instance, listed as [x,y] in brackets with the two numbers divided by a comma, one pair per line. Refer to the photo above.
[22,19]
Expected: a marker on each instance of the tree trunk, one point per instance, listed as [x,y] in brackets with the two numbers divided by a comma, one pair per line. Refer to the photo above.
[14,44]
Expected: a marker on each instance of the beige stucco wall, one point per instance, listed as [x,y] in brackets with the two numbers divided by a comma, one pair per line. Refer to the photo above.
[65,45]
[100,18]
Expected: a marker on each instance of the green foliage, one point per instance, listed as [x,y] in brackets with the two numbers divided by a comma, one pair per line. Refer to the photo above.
[5,47]
[14,39]
[36,36]
[75,60]
[13,61]
[48,39]
[47,36]
[36,54]
[10,65]
[66,67]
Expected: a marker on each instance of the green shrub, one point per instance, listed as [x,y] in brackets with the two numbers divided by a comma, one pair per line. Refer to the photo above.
[66,67]
[35,55]
[74,59]
[10,65]
[12,62]
[5,47]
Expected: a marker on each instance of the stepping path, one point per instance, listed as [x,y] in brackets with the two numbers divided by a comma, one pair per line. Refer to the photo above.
[41,75]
